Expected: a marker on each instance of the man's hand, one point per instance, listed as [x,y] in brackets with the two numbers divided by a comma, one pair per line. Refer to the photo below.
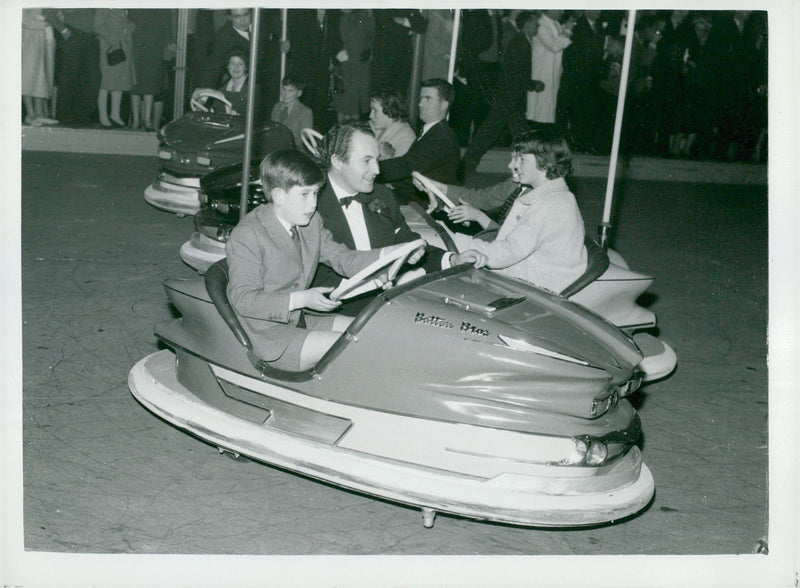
[387,151]
[315,299]
[477,258]
[535,86]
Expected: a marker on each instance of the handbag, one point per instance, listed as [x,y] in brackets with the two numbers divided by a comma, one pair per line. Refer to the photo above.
[115,56]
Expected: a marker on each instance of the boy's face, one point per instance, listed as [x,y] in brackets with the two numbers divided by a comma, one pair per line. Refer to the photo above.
[290,93]
[358,173]
[296,205]
[525,170]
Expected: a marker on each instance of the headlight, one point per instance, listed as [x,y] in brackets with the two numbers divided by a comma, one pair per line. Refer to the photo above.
[587,452]
[631,385]
[164,154]
[223,207]
[203,198]
[203,160]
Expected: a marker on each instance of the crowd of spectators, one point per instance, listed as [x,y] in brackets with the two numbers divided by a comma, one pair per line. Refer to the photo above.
[697,86]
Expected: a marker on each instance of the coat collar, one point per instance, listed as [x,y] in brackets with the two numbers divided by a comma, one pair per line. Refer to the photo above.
[557,185]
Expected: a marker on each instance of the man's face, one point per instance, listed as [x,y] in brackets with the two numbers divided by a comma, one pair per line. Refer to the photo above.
[358,173]
[240,18]
[431,106]
[297,205]
[524,169]
[377,117]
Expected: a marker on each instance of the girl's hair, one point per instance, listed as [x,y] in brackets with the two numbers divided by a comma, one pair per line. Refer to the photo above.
[287,168]
[550,149]
[393,104]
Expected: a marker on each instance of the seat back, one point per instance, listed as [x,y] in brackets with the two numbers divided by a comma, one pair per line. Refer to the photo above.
[216,279]
[596,263]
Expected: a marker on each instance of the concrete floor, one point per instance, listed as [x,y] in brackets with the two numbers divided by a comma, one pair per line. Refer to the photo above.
[104,476]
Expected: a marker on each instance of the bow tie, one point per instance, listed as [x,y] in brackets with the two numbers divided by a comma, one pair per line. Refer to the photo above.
[361,198]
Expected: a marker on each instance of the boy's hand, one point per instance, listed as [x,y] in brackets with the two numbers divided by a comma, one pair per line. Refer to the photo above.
[315,299]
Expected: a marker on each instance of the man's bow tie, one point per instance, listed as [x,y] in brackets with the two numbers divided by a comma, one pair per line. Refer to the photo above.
[361,198]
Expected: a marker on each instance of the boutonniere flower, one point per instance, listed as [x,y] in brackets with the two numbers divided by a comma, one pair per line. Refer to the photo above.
[378,206]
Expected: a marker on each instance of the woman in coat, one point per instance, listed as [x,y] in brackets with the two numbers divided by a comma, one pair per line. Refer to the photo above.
[548,49]
[112,27]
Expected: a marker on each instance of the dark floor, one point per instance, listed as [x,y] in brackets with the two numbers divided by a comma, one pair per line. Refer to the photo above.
[104,476]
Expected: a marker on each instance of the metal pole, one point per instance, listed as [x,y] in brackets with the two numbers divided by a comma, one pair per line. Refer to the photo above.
[605,226]
[284,17]
[416,78]
[451,69]
[251,108]
[180,63]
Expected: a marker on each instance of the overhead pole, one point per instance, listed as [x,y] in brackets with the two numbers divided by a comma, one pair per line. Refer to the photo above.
[451,68]
[284,19]
[416,77]
[604,229]
[180,63]
[251,108]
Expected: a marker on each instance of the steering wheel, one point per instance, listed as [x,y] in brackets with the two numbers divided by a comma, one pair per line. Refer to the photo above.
[205,93]
[310,139]
[367,278]
[433,189]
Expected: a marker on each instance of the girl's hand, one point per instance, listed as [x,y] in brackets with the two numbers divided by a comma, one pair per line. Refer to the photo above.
[463,213]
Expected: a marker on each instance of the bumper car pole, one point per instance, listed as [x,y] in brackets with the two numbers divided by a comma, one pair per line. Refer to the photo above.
[251,106]
[603,231]
[451,68]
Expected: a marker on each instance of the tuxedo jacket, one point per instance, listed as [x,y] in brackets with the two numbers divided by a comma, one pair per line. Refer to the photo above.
[435,154]
[385,226]
[265,267]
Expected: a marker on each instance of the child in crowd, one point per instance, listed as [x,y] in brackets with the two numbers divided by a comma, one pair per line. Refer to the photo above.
[290,112]
[272,257]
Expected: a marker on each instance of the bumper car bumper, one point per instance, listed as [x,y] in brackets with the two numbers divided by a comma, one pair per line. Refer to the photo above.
[173,194]
[200,252]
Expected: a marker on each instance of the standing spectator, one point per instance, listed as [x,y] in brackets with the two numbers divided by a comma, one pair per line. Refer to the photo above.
[152,35]
[77,65]
[548,50]
[478,67]
[388,120]
[312,33]
[115,31]
[508,28]
[38,65]
[508,108]
[438,40]
[393,53]
[728,49]
[435,153]
[756,108]
[354,59]
[290,112]
[579,92]
[234,34]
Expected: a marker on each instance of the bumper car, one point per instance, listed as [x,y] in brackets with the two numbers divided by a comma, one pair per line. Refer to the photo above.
[199,143]
[501,402]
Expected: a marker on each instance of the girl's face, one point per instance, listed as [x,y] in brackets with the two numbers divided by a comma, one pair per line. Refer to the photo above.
[237,68]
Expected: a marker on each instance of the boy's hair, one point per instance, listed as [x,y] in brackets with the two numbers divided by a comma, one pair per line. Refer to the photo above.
[445,89]
[550,149]
[295,81]
[287,168]
[337,141]
[393,104]
[526,15]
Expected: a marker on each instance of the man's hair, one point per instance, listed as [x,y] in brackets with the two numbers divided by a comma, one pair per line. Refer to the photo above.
[338,140]
[550,149]
[526,15]
[445,89]
[230,11]
[393,104]
[295,81]
[287,168]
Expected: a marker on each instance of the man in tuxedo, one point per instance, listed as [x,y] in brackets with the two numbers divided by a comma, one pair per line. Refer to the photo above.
[360,213]
[435,153]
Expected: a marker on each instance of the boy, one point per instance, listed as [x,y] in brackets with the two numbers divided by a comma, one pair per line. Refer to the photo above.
[290,112]
[272,257]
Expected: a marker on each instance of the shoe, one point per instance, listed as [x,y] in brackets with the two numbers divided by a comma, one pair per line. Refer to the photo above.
[118,125]
[43,120]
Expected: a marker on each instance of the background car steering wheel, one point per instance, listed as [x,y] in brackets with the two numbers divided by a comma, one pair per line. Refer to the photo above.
[311,139]
[367,278]
[205,93]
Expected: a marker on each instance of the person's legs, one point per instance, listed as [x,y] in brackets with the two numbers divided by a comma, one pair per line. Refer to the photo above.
[116,103]
[30,110]
[102,107]
[147,112]
[315,346]
[136,108]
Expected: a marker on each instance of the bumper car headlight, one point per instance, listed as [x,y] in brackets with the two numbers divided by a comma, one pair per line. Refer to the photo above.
[164,154]
[222,206]
[203,198]
[587,452]
[204,160]
[603,403]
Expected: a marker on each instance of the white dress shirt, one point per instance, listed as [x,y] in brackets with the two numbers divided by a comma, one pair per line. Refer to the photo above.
[354,213]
